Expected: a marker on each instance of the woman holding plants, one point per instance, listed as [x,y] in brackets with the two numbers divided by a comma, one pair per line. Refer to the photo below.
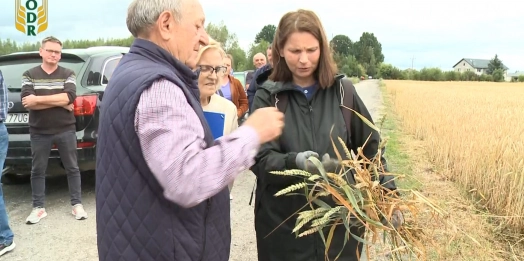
[304,85]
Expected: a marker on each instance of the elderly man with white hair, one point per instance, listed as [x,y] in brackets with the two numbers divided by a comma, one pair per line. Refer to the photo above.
[161,179]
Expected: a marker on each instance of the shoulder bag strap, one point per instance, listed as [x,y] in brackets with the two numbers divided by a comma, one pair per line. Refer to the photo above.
[347,89]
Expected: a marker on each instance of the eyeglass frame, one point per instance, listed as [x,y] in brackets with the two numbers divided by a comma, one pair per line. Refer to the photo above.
[213,69]
[53,51]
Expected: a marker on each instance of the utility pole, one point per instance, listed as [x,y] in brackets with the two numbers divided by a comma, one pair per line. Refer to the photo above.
[412,59]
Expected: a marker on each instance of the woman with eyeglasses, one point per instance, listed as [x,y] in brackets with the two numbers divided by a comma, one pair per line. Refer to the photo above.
[210,66]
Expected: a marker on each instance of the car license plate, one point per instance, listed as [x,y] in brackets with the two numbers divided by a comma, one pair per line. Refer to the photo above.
[17,118]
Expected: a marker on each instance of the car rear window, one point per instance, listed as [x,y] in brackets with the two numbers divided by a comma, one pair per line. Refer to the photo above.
[13,70]
[241,77]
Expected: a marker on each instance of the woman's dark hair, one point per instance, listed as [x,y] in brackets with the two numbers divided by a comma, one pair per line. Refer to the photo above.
[302,21]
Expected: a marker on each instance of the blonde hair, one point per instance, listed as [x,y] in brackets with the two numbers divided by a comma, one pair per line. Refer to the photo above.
[213,45]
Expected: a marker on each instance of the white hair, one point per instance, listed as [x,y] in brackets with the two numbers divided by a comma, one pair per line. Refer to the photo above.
[213,45]
[142,14]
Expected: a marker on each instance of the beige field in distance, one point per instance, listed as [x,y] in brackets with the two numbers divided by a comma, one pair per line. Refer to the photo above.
[475,131]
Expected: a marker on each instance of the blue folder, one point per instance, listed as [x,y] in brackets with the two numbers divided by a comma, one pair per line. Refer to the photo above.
[216,122]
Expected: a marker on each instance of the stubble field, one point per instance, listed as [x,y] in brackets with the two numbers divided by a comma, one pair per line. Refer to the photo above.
[473,134]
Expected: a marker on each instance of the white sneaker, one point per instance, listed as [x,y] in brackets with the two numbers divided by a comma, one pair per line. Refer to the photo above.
[7,248]
[79,212]
[35,216]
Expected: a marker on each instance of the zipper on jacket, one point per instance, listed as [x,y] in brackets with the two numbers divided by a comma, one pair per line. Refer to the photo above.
[208,205]
[312,125]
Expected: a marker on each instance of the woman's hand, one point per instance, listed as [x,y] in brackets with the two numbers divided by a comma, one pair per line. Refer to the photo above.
[302,160]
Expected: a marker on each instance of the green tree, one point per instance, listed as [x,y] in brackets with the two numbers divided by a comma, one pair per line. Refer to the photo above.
[469,76]
[521,78]
[431,74]
[240,62]
[498,75]
[254,49]
[485,78]
[366,41]
[451,76]
[410,74]
[389,72]
[348,65]
[221,34]
[229,43]
[341,44]
[266,34]
[372,66]
[7,46]
[494,64]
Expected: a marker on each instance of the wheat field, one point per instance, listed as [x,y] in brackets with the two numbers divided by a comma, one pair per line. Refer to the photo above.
[475,132]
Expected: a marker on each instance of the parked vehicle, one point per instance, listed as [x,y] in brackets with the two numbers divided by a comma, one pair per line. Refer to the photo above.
[94,67]
[241,76]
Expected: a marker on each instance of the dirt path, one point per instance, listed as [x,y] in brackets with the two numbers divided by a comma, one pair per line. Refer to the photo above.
[369,92]
[60,237]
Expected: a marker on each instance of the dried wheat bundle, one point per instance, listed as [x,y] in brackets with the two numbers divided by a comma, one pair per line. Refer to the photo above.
[364,202]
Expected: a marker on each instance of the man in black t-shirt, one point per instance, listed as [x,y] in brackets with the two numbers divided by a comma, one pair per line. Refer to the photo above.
[48,92]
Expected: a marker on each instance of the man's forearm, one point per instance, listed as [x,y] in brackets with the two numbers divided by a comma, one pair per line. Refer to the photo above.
[172,142]
[41,107]
[55,100]
[193,174]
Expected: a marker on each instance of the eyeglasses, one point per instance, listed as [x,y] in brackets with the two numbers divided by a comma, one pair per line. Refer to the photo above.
[220,70]
[53,51]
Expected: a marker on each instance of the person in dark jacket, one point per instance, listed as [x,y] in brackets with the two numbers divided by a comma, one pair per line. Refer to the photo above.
[305,71]
[161,178]
[252,86]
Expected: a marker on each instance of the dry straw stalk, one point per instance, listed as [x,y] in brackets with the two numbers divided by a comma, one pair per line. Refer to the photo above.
[360,200]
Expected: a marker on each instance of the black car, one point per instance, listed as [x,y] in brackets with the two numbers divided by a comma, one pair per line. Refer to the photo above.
[93,67]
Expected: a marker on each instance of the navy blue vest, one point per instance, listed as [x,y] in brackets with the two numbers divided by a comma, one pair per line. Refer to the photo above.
[134,220]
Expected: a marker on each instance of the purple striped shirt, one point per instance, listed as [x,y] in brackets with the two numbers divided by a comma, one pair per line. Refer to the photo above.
[172,141]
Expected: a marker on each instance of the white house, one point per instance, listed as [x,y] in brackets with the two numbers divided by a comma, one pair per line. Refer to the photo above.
[478,66]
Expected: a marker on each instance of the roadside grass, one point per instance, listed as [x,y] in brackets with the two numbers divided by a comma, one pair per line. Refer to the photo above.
[398,159]
[469,234]
[354,80]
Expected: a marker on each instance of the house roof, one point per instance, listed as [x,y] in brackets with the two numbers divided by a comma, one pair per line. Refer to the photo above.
[515,74]
[477,63]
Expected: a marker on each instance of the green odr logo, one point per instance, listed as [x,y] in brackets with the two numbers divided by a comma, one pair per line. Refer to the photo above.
[31,16]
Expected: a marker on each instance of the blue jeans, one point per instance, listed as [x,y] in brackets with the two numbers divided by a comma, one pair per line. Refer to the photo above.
[6,234]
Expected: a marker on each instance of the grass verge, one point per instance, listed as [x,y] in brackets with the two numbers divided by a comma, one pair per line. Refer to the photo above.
[399,161]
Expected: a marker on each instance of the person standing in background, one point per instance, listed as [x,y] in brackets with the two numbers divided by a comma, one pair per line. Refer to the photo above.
[7,242]
[210,70]
[48,92]
[232,89]
[259,60]
[252,86]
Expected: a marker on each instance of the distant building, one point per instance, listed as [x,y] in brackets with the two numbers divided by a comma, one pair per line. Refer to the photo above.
[478,66]
[513,76]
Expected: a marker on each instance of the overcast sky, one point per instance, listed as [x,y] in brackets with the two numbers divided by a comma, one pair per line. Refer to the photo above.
[435,33]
